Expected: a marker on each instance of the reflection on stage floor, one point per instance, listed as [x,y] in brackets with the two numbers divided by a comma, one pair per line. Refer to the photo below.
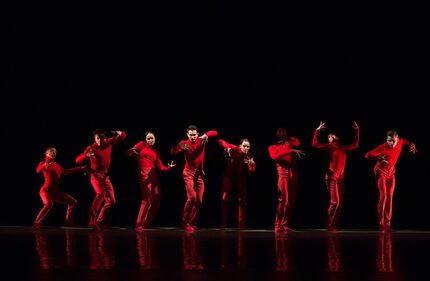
[59,253]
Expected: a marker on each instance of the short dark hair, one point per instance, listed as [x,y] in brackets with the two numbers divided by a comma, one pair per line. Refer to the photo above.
[192,128]
[391,133]
[149,132]
[100,132]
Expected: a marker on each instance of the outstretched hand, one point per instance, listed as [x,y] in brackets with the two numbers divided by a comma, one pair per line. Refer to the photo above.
[183,146]
[299,152]
[321,126]
[249,160]
[86,170]
[412,148]
[131,152]
[355,125]
[227,152]
[90,154]
[171,165]
[204,139]
[383,158]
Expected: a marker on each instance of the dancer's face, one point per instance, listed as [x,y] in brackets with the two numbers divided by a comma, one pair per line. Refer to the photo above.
[392,141]
[150,139]
[99,139]
[245,146]
[192,135]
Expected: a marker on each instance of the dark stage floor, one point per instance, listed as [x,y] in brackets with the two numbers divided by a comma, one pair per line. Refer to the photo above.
[209,254]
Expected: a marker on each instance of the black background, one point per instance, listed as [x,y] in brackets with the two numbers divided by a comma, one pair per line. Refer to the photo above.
[242,68]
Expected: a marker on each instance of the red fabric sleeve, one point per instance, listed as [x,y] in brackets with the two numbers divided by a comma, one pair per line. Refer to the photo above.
[177,148]
[40,167]
[211,134]
[160,165]
[225,144]
[83,156]
[72,170]
[374,153]
[276,155]
[315,142]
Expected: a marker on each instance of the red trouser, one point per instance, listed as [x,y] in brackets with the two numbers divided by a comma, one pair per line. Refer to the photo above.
[385,181]
[104,191]
[241,194]
[335,185]
[150,191]
[48,199]
[287,188]
[195,188]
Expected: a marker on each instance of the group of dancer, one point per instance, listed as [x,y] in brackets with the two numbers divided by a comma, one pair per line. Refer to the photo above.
[96,158]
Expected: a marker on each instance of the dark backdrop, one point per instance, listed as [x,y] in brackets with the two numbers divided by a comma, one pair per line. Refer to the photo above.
[243,69]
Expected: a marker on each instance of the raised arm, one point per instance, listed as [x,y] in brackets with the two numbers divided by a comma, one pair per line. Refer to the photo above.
[83,156]
[354,144]
[226,145]
[293,141]
[277,154]
[208,136]
[120,136]
[315,142]
[211,134]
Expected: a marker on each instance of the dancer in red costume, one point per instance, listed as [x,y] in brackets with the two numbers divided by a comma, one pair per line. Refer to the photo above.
[193,173]
[386,156]
[334,177]
[285,154]
[148,159]
[50,191]
[99,155]
[240,164]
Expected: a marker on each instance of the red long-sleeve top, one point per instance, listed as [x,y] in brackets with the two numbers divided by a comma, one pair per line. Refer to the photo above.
[195,153]
[52,173]
[148,157]
[100,162]
[391,154]
[337,152]
[238,164]
[284,155]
